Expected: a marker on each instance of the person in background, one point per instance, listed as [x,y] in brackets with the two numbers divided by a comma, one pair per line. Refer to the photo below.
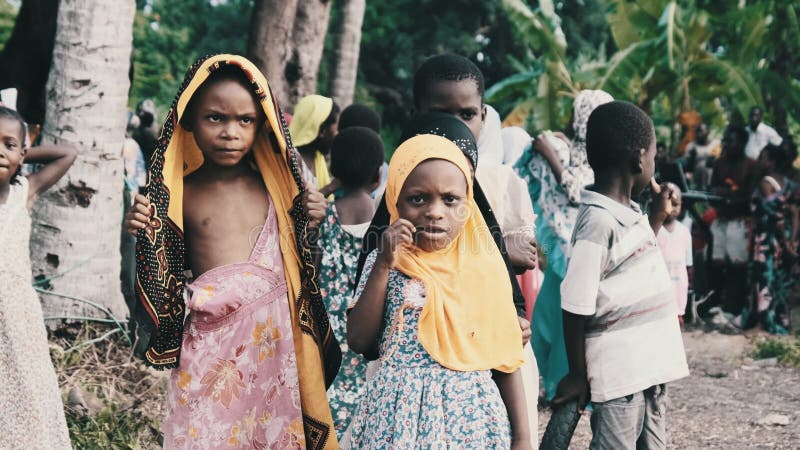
[356,157]
[556,172]
[33,415]
[361,115]
[776,223]
[314,125]
[759,134]
[734,179]
[146,134]
[675,243]
[700,156]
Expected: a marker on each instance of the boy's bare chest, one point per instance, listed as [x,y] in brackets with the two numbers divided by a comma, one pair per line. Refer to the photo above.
[222,227]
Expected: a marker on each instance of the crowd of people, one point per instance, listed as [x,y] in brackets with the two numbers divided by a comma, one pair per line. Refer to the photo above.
[305,293]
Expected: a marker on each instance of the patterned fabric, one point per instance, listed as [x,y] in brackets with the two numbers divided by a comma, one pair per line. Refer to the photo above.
[160,247]
[577,174]
[337,281]
[30,401]
[413,402]
[237,384]
[771,266]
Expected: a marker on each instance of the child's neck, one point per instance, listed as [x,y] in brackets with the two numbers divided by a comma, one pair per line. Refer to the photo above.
[356,206]
[669,224]
[614,186]
[216,173]
[5,189]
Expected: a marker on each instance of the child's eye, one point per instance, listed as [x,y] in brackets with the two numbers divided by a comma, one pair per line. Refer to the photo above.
[450,199]
[248,120]
[215,118]
[416,199]
[468,115]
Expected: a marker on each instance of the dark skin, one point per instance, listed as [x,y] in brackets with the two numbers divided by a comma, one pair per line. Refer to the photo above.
[431,206]
[57,159]
[225,121]
[356,206]
[755,117]
[621,183]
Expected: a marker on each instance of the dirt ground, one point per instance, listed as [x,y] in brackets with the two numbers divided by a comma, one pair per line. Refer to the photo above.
[720,404]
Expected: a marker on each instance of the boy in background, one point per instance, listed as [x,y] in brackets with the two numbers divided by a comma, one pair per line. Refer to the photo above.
[623,342]
[675,242]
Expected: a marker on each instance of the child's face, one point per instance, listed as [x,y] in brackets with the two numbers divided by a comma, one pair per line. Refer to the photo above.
[459,98]
[225,121]
[12,149]
[434,199]
[677,203]
[647,167]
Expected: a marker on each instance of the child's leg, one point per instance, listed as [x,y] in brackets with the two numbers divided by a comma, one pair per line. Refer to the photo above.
[654,429]
[617,424]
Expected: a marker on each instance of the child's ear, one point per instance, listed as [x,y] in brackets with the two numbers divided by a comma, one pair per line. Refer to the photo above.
[376,180]
[638,160]
[483,114]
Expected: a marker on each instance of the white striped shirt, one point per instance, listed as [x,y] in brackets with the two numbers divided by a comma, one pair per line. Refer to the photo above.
[617,276]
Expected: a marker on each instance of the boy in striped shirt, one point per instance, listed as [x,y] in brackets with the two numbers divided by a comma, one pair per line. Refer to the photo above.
[623,342]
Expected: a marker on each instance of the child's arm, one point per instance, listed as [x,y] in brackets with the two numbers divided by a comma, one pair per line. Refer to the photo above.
[57,159]
[575,385]
[513,394]
[661,206]
[138,215]
[364,320]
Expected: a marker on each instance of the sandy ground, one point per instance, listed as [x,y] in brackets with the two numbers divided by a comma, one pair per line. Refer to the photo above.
[720,404]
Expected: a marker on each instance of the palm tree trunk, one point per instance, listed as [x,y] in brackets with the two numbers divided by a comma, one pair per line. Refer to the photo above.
[345,73]
[76,224]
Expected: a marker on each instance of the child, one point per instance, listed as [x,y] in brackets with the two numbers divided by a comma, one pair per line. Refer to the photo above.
[623,342]
[256,350]
[33,415]
[776,220]
[361,115]
[423,304]
[313,127]
[356,158]
[675,242]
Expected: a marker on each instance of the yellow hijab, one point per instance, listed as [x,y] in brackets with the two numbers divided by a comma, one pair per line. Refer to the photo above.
[160,280]
[309,114]
[461,325]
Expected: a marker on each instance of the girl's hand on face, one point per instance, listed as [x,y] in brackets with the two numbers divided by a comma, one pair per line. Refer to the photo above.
[314,204]
[399,233]
[138,215]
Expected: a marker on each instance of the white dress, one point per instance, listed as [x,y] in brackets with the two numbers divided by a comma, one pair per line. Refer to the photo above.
[31,411]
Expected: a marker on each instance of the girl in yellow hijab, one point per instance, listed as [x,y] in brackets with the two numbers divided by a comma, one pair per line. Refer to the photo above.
[449,353]
[313,127]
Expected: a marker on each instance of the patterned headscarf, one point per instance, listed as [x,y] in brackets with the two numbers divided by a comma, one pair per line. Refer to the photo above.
[160,248]
[585,102]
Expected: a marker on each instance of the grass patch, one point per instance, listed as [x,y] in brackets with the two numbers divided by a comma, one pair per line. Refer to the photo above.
[112,400]
[785,349]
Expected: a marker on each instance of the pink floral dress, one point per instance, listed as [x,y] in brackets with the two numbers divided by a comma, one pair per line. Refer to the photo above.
[237,383]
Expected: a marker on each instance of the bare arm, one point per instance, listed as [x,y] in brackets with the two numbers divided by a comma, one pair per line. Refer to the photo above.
[57,159]
[541,145]
[513,394]
[576,384]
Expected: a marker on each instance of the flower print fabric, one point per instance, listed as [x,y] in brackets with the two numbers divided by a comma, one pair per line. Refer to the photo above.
[237,384]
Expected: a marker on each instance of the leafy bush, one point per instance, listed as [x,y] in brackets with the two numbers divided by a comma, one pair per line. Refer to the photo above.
[787,350]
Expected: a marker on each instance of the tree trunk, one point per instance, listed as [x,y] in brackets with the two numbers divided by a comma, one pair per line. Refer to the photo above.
[286,42]
[270,43]
[76,225]
[343,81]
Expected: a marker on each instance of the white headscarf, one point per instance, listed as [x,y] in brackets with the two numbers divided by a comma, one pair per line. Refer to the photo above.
[490,143]
[515,140]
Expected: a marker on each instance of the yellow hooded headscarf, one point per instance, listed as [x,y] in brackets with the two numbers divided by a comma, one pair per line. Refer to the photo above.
[309,114]
[461,325]
[160,247]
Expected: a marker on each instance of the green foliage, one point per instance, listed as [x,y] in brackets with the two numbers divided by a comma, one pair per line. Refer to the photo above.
[112,429]
[169,35]
[7,15]
[786,349]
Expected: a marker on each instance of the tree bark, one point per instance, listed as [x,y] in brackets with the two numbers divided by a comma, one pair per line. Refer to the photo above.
[270,43]
[286,42]
[345,72]
[76,224]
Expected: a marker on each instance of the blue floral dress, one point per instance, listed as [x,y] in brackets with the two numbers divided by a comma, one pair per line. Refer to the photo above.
[337,281]
[413,402]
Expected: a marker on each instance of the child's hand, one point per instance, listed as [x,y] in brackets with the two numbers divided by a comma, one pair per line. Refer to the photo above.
[399,233]
[572,387]
[661,207]
[314,204]
[525,326]
[138,215]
